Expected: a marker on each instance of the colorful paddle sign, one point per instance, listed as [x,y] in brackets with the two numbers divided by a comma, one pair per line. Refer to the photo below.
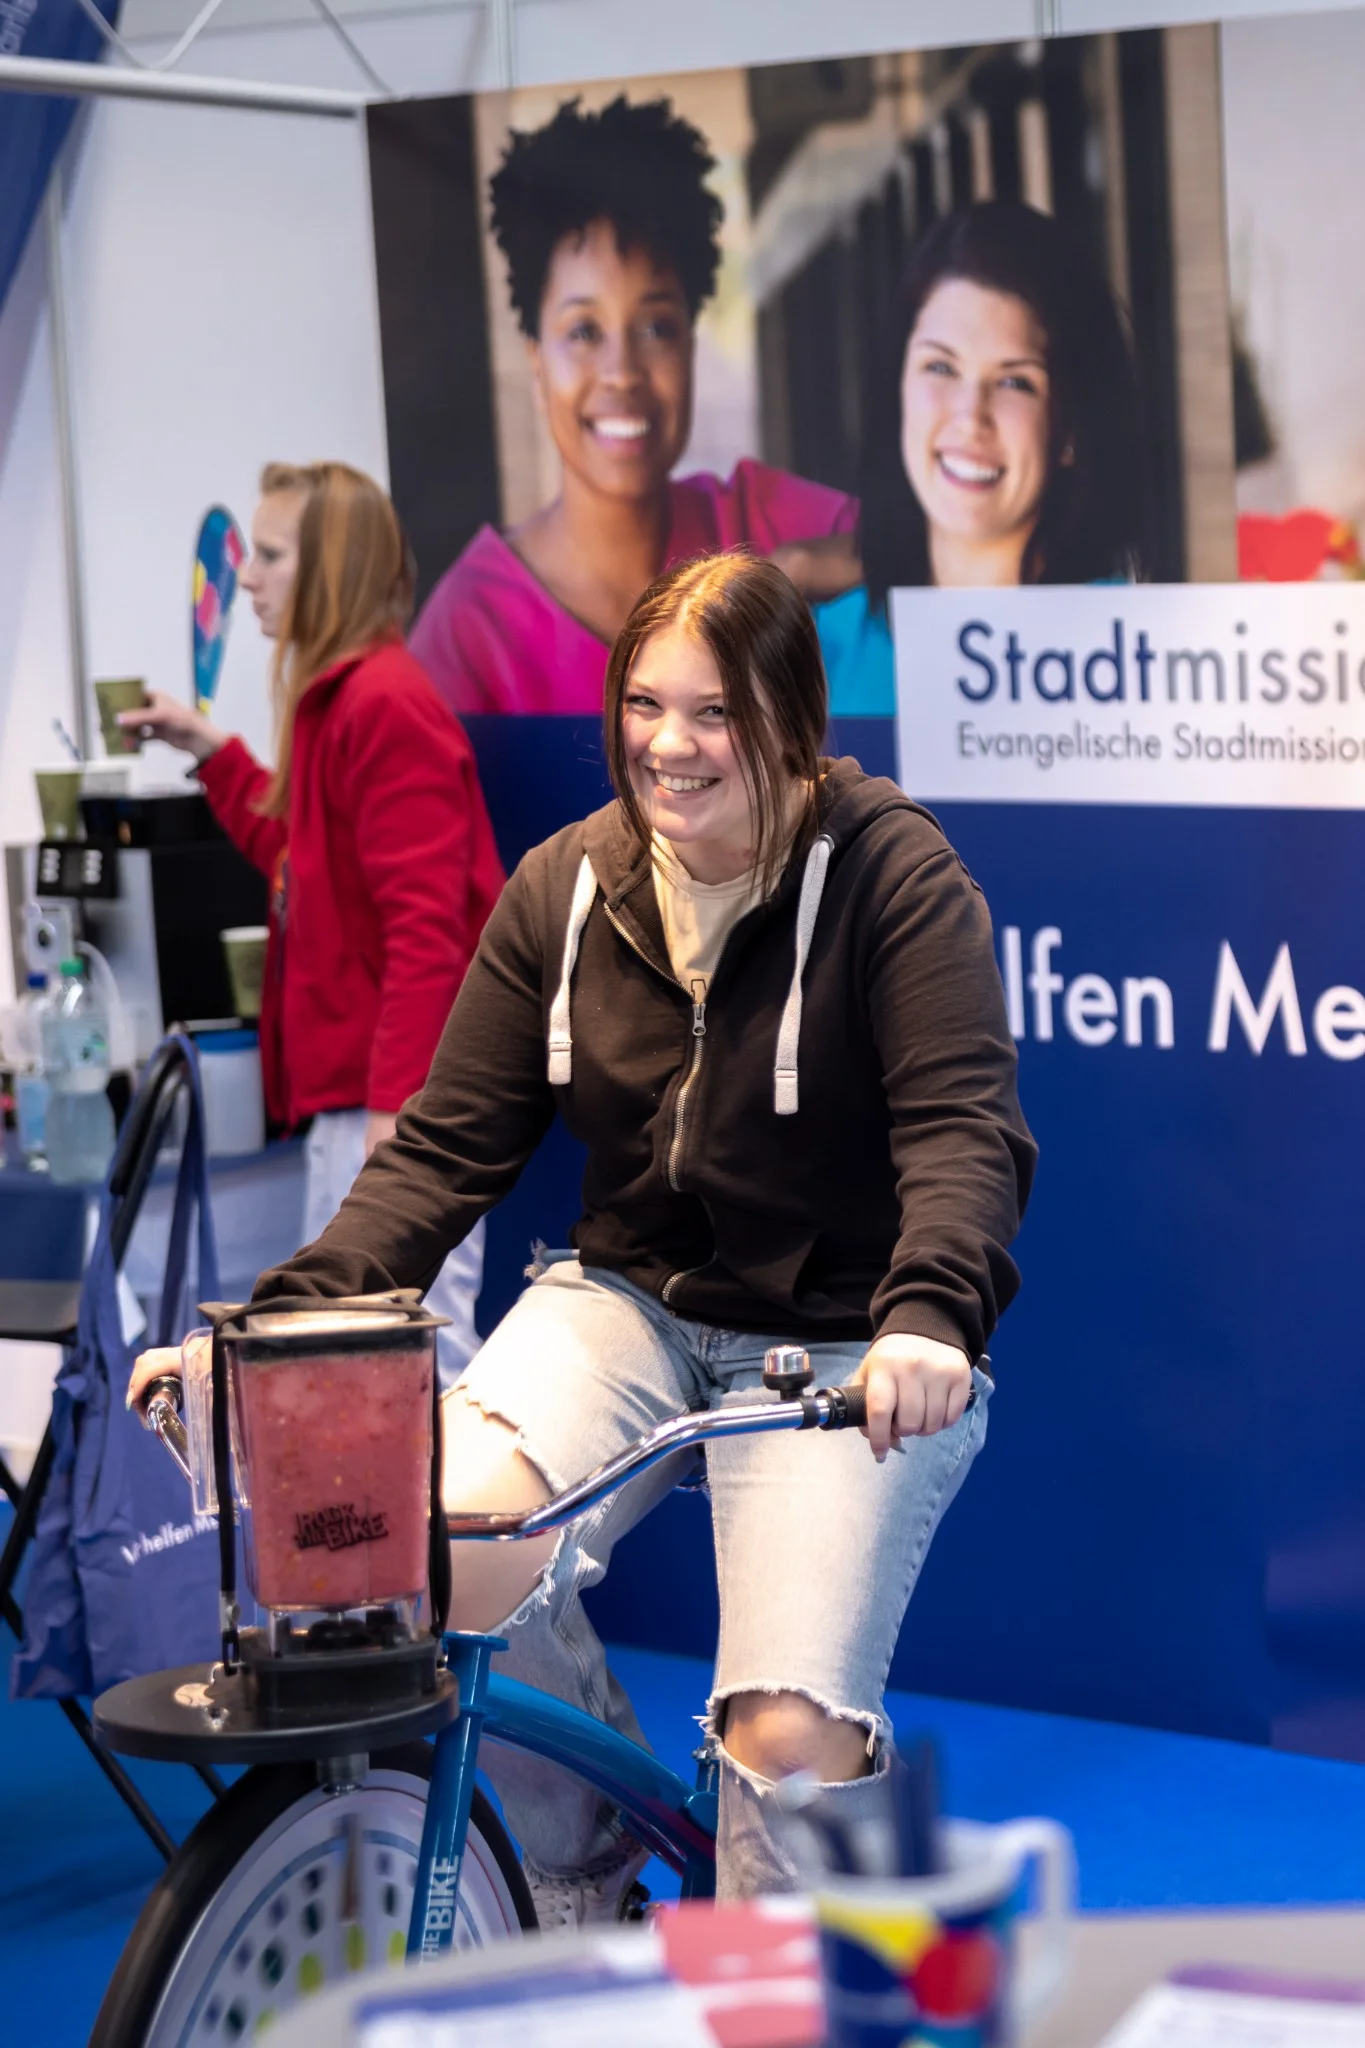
[218,555]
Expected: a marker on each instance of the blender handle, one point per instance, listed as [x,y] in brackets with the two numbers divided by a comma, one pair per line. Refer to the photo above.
[161,1414]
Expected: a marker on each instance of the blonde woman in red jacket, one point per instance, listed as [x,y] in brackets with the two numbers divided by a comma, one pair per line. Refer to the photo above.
[371,828]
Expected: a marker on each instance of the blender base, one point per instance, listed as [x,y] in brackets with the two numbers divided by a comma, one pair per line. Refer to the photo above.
[197,1714]
[335,1669]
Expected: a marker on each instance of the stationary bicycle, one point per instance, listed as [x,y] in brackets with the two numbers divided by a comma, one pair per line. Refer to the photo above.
[351,1838]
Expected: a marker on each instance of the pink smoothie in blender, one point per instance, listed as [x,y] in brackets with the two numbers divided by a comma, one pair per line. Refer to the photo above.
[334,1427]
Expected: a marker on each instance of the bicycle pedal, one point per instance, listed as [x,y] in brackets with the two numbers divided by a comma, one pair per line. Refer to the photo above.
[635,1902]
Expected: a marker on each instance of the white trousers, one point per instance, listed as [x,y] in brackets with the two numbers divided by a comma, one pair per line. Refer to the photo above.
[334,1156]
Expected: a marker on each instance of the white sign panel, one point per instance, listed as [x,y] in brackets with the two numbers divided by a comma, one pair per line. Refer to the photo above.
[1210,694]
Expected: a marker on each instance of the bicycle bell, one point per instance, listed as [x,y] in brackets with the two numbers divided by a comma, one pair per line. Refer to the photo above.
[787,1370]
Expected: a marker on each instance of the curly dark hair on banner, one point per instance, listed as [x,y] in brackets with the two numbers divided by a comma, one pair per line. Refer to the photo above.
[641,168]
[1094,516]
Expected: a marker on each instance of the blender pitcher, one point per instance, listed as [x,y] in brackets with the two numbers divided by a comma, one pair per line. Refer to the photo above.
[332,1411]
[333,1439]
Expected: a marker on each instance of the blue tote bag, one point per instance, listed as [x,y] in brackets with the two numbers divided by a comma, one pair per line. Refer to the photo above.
[123,1578]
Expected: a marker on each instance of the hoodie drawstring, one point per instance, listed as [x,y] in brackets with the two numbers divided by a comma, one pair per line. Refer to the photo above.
[561,1036]
[785,1092]
[785,1100]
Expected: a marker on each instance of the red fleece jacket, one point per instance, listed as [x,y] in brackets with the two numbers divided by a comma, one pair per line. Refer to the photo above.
[385,872]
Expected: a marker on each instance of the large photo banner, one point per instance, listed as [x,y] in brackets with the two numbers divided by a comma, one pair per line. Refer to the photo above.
[1035,365]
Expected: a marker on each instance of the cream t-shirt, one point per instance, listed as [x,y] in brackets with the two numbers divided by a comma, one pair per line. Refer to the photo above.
[698,916]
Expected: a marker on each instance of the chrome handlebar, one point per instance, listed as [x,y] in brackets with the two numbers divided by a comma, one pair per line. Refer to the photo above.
[791,1404]
[830,1408]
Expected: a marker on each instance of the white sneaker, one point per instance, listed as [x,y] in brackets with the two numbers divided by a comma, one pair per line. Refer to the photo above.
[605,1896]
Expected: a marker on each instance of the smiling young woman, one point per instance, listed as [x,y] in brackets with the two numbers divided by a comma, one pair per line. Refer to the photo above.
[760,987]
[611,236]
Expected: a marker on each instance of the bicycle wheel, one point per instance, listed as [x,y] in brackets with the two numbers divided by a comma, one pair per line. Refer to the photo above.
[284,1888]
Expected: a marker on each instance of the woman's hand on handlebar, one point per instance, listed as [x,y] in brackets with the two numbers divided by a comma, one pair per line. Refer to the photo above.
[915,1387]
[163,1363]
[179,725]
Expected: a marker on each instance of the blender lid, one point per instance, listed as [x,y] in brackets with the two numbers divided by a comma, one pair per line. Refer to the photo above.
[286,1319]
[334,1322]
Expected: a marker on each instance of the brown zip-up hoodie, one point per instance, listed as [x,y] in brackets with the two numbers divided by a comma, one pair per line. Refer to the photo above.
[832,1147]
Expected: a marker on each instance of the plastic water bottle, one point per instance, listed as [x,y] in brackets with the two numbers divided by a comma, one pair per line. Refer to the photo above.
[31,1088]
[80,1123]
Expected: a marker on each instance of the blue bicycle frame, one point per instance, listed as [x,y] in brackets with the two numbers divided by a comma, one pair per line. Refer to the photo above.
[675,1820]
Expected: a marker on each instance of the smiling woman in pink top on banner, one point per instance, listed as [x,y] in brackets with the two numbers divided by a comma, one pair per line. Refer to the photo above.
[610,235]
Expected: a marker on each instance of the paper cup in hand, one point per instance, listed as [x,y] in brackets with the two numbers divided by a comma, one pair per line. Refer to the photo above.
[59,800]
[127,693]
[244,950]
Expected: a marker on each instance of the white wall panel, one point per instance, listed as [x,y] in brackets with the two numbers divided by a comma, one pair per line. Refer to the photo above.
[34,656]
[222,314]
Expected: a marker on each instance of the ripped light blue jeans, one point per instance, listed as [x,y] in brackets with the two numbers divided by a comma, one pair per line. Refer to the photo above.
[817,1546]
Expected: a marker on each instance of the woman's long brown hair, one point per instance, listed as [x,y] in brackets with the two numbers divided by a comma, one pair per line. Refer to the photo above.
[353,590]
[762,637]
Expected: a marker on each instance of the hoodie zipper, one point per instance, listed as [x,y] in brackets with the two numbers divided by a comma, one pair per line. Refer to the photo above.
[698,1038]
[679,1108]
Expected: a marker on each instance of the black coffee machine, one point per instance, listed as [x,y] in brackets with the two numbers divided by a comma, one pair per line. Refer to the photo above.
[152,884]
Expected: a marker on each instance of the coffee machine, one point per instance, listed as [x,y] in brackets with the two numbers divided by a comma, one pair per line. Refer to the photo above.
[151,885]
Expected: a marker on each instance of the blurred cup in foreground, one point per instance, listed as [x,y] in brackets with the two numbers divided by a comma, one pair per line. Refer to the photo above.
[936,1960]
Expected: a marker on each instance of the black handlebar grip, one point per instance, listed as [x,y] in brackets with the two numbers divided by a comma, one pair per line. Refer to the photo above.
[855,1402]
[847,1407]
[169,1387]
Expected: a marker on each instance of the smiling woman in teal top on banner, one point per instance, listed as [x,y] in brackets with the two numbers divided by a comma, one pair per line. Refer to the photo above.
[1003,443]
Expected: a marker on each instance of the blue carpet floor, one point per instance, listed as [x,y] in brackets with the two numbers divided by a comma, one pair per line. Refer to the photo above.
[1158,1819]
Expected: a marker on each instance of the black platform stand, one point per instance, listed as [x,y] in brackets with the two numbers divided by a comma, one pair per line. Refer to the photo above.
[197,1716]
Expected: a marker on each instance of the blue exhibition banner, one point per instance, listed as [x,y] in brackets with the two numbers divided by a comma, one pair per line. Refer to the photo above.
[1170,1525]
[33,127]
